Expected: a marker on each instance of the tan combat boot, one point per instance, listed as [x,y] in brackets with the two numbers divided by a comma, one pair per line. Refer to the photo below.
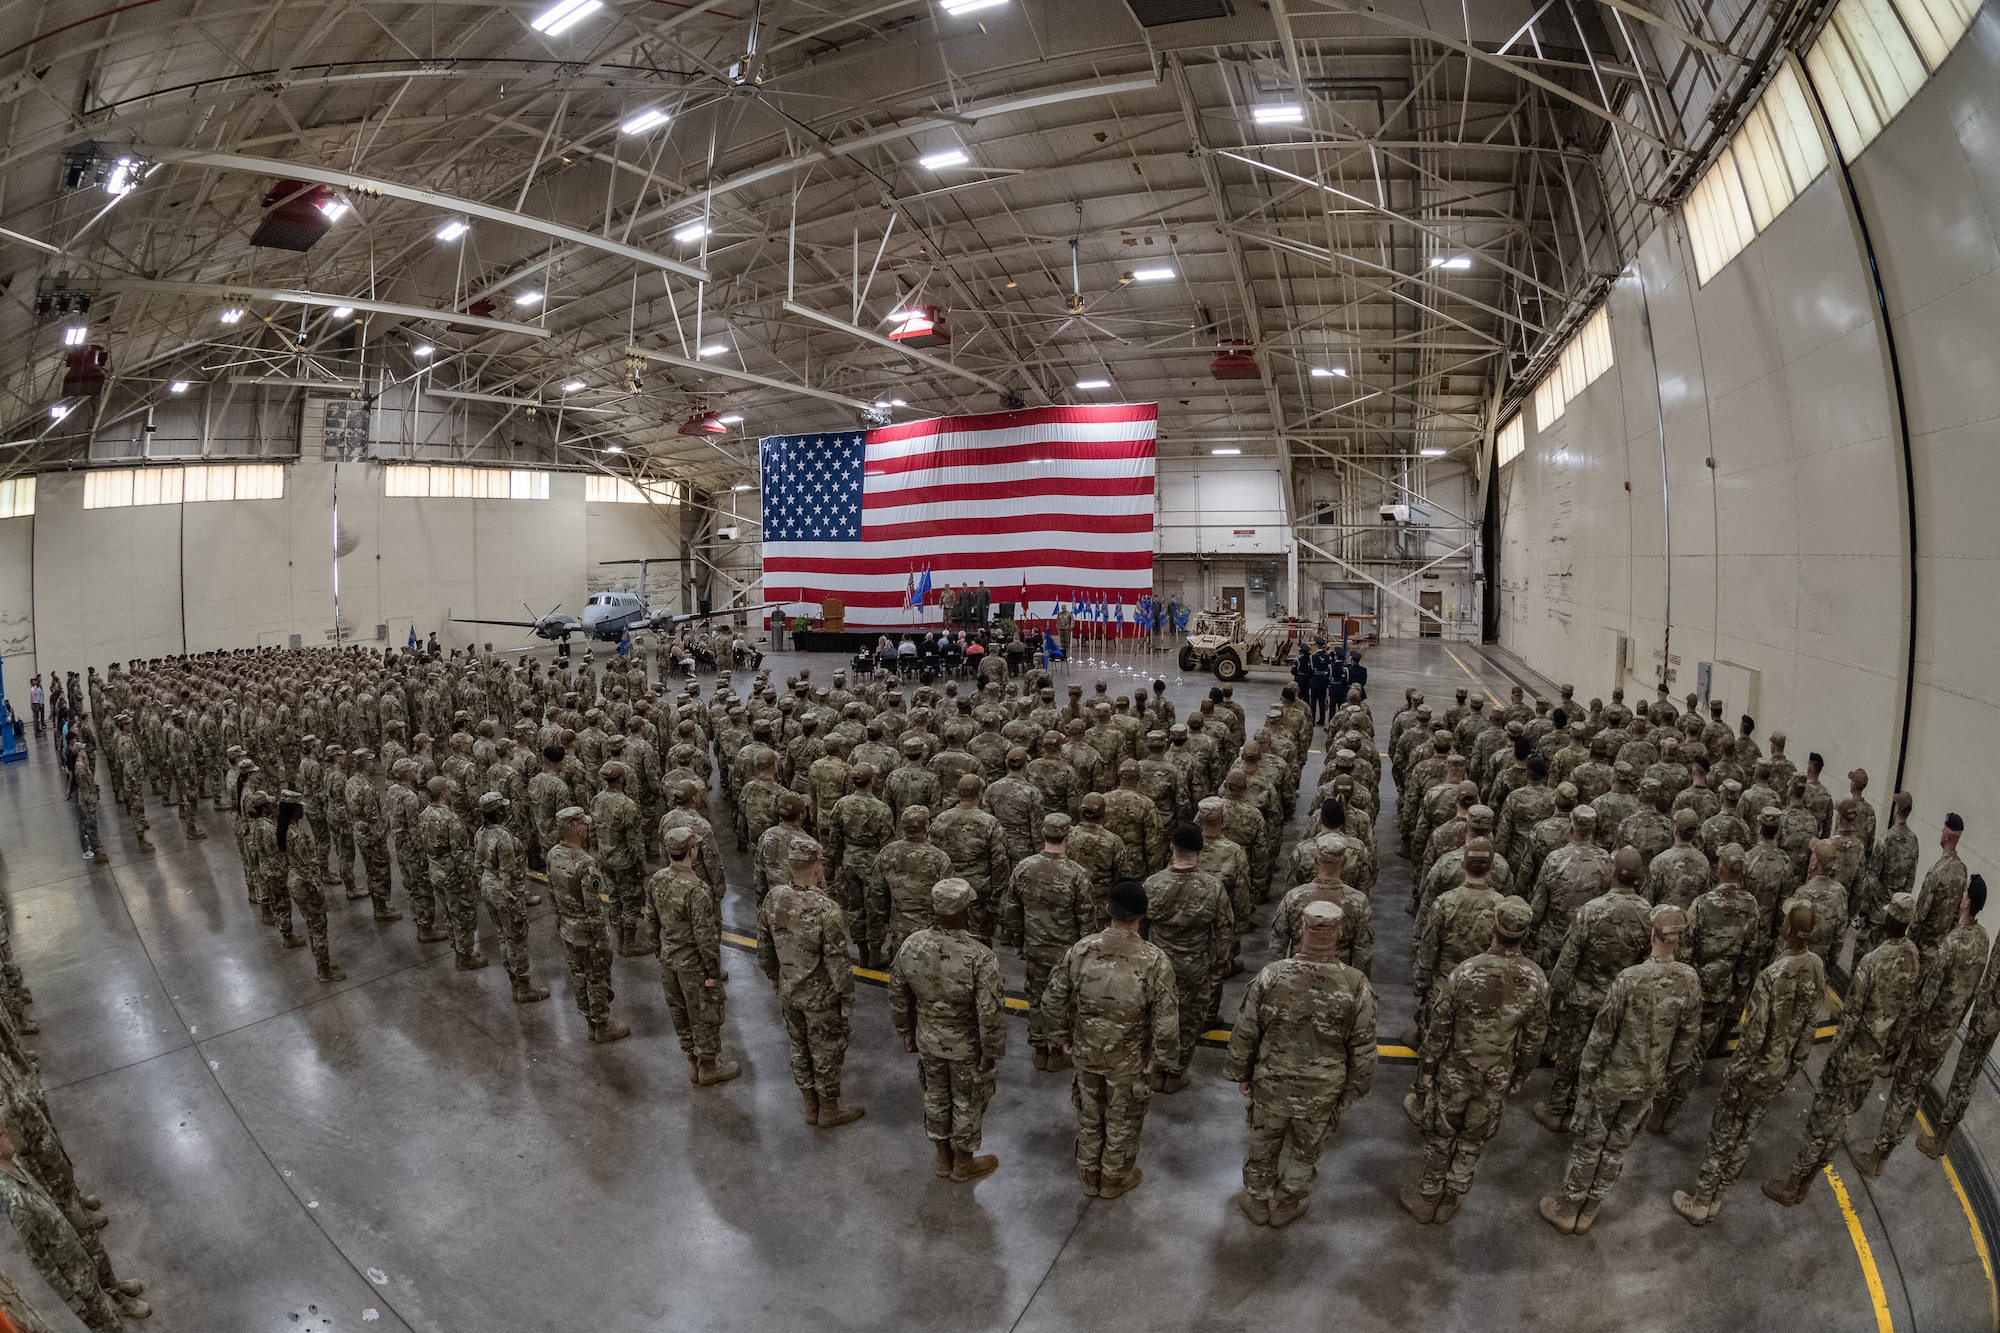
[1255,1207]
[1040,1057]
[1869,1162]
[1547,1117]
[1586,1215]
[832,1114]
[1287,1207]
[1448,1203]
[1418,1204]
[713,1069]
[328,972]
[943,1150]
[965,1166]
[527,992]
[1789,1190]
[1560,1213]
[812,1106]
[1110,1187]
[1093,1183]
[1698,1209]
[1931,1146]
[608,1031]
[471,962]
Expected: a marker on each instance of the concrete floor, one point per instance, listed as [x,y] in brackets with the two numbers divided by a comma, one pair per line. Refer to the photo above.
[409,1150]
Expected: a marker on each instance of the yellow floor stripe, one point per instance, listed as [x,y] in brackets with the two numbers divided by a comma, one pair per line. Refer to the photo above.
[1493,698]
[1862,1251]
[1978,1237]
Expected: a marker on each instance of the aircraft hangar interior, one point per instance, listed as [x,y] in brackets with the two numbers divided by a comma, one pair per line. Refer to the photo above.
[999,665]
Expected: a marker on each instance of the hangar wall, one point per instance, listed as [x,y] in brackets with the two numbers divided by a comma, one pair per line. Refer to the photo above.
[1731,491]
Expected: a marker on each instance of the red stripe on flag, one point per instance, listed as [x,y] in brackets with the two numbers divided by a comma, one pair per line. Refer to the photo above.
[1006,560]
[1008,490]
[994,527]
[1047,451]
[1034,416]
[792,594]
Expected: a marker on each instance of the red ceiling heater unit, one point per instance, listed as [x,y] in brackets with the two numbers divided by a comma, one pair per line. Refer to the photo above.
[1233,360]
[299,215]
[920,326]
[85,370]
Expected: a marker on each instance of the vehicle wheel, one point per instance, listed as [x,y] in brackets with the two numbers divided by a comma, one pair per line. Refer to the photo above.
[1188,662]
[1228,666]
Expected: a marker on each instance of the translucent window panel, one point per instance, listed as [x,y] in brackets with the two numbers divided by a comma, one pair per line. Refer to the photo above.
[1866,70]
[1718,217]
[403,481]
[525,485]
[17,497]
[1513,438]
[107,490]
[156,486]
[1549,401]
[1594,344]
[260,481]
[1936,25]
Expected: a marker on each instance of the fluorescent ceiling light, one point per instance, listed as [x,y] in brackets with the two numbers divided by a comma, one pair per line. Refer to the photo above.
[560,17]
[528,298]
[57,412]
[1286,114]
[614,449]
[938,161]
[649,119]
[713,349]
[967,6]
[422,350]
[1455,262]
[1151,274]
[120,182]
[333,209]
[741,485]
[733,419]
[893,402]
[1093,384]
[691,233]
[178,386]
[75,336]
[572,386]
[342,311]
[1329,372]
[231,315]
[1430,453]
[1225,451]
[453,229]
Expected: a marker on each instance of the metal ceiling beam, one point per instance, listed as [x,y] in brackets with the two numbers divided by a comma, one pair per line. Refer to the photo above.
[935,362]
[290,296]
[725,372]
[267,166]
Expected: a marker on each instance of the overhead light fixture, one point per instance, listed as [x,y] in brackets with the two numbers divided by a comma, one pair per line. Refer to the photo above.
[733,419]
[422,351]
[342,311]
[1430,453]
[741,485]
[893,402]
[560,17]
[649,119]
[528,298]
[614,448]
[178,386]
[75,336]
[1093,384]
[691,233]
[1151,274]
[332,209]
[1225,451]
[57,412]
[231,315]
[938,161]
[453,229]
[122,180]
[713,349]
[1284,114]
[1329,372]
[572,386]
[1455,262]
[967,6]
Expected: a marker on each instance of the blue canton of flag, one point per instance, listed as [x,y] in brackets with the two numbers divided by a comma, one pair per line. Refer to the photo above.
[812,486]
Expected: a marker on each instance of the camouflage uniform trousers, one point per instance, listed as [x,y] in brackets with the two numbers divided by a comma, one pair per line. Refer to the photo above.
[590,977]
[12,984]
[1913,1075]
[509,909]
[1195,989]
[322,832]
[86,824]
[424,906]
[76,1269]
[1287,1133]
[1569,1033]
[1460,1119]
[186,784]
[1971,1059]
[819,1048]
[460,903]
[627,888]
[955,1098]
[1731,1134]
[1826,1122]
[1039,965]
[341,838]
[36,1140]
[375,868]
[1603,1132]
[135,807]
[312,906]
[864,896]
[696,1010]
[1110,1111]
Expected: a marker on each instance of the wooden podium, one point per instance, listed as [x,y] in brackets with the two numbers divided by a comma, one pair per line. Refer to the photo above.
[833,615]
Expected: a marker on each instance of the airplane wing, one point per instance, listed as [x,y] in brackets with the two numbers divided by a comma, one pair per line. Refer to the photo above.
[518,624]
[661,619]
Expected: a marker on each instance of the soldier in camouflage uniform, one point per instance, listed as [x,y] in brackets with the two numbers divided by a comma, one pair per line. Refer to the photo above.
[1937,901]
[1946,992]
[1112,1010]
[1048,906]
[502,866]
[1017,804]
[1457,926]
[1829,900]
[1881,999]
[76,1269]
[582,902]
[1303,1051]
[1484,1037]
[909,867]
[1163,783]
[773,860]
[128,771]
[1610,934]
[686,813]
[402,807]
[1982,1024]
[829,779]
[371,831]
[1192,924]
[1055,777]
[1891,869]
[1328,884]
[448,863]
[859,827]
[802,946]
[305,863]
[1725,928]
[1098,850]
[691,958]
[1230,864]
[1571,876]
[946,1001]
[340,820]
[547,793]
[974,841]
[1646,1033]
[1247,828]
[620,835]
[1767,870]
[1136,820]
[913,783]
[1779,1021]
[1681,873]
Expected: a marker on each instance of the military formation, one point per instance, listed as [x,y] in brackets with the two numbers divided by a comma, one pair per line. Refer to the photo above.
[1621,893]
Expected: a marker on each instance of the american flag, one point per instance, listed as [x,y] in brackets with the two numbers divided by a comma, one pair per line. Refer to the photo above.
[1056,501]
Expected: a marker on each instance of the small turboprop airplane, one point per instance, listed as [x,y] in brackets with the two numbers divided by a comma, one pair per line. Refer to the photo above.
[607,616]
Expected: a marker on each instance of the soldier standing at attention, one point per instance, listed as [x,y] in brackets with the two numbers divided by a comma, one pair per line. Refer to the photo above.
[1611,933]
[621,855]
[371,831]
[1880,1000]
[577,892]
[1482,1040]
[1047,908]
[802,946]
[501,863]
[909,867]
[977,846]
[1646,1033]
[1112,1010]
[858,828]
[305,863]
[946,1001]
[1724,928]
[691,972]
[1193,924]
[448,862]
[1303,1051]
[1779,1021]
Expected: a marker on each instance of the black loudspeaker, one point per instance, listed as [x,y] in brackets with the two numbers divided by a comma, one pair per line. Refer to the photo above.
[1006,610]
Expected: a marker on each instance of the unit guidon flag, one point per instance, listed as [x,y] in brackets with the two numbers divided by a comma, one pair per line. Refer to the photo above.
[1049,505]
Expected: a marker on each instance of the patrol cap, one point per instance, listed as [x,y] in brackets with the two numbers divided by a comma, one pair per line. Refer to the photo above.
[805,852]
[863,774]
[246,765]
[1686,820]
[1512,918]
[1129,768]
[564,815]
[437,786]
[1902,907]
[1329,849]
[1178,731]
[1092,805]
[1566,791]
[232,751]
[970,784]
[493,800]
[916,818]
[611,771]
[1668,919]
[1481,816]
[1055,828]
[912,743]
[1211,807]
[950,897]
[679,841]
[1623,768]
[1730,853]
[1320,918]
[1627,865]
[1769,816]
[361,752]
